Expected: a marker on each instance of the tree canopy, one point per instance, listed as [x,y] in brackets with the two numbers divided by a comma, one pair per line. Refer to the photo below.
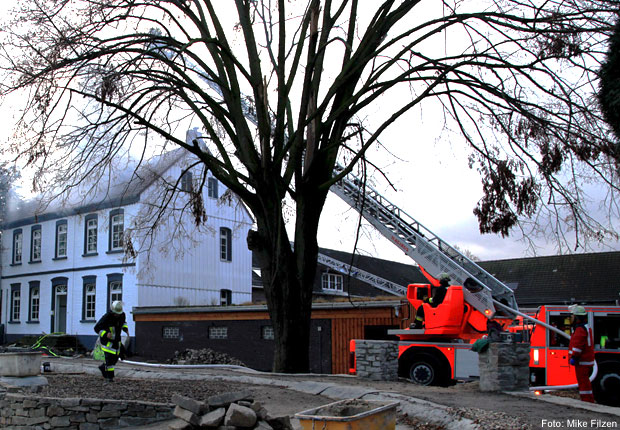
[283,90]
[609,93]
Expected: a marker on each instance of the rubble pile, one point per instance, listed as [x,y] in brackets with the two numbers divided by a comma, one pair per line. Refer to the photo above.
[203,356]
[230,411]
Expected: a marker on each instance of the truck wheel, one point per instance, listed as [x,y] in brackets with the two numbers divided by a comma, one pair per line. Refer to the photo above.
[606,385]
[425,370]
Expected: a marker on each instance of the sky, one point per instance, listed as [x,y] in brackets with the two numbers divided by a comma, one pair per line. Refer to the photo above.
[433,184]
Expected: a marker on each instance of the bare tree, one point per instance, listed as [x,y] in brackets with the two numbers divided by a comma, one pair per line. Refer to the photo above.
[285,89]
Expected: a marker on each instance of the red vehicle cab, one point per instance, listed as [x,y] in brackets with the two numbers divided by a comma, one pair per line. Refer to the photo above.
[549,352]
[441,353]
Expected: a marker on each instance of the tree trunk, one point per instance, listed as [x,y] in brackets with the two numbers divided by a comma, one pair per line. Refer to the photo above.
[288,277]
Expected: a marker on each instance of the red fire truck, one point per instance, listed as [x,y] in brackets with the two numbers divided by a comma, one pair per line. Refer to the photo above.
[441,352]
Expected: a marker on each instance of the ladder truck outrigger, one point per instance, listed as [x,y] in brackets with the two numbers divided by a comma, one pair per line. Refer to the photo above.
[441,351]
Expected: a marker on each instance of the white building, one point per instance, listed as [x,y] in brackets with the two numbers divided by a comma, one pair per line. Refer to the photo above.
[63,264]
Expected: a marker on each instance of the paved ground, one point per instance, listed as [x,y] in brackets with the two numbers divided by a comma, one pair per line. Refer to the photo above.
[460,407]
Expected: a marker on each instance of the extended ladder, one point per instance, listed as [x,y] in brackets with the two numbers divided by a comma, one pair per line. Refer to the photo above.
[419,243]
[423,246]
[362,275]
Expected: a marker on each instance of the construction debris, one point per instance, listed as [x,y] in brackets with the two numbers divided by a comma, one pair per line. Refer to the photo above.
[234,410]
[203,356]
[55,344]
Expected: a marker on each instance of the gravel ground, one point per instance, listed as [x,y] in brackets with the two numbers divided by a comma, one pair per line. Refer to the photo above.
[90,386]
[492,411]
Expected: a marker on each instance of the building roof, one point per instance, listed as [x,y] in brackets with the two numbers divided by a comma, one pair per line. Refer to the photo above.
[399,273]
[561,279]
[148,310]
[116,188]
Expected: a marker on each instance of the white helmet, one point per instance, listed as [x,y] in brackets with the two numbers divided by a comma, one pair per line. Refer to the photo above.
[577,310]
[117,307]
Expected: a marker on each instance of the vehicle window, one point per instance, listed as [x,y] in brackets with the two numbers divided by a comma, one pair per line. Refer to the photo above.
[562,322]
[607,331]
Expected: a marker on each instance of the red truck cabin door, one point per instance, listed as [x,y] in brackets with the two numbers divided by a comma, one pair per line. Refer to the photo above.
[559,372]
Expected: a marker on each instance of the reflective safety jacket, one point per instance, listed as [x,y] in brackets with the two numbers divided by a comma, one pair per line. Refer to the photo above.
[581,346]
[111,323]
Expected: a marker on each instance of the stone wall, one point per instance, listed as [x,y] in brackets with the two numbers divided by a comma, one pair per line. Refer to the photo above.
[505,367]
[19,411]
[377,359]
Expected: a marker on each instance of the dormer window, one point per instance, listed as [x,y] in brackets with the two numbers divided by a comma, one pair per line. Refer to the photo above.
[332,282]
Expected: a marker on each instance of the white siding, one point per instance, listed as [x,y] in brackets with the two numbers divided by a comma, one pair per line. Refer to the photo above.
[186,269]
[74,267]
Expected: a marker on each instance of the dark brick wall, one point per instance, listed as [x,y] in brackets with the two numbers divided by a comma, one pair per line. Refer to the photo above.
[244,341]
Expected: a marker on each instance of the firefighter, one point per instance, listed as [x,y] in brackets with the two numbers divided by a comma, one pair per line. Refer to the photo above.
[438,294]
[581,351]
[109,329]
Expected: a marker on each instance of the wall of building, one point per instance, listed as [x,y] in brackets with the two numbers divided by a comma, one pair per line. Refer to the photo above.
[333,326]
[98,267]
[184,265]
[245,340]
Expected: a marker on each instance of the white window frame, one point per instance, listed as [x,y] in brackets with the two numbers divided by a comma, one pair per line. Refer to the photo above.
[15,304]
[18,239]
[332,282]
[90,300]
[116,291]
[218,332]
[170,332]
[35,303]
[117,226]
[91,235]
[225,244]
[36,244]
[61,240]
[267,332]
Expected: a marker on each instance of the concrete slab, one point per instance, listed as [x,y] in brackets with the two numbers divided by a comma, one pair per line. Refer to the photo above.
[23,381]
[569,402]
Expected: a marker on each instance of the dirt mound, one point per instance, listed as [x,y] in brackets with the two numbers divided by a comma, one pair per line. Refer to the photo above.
[203,356]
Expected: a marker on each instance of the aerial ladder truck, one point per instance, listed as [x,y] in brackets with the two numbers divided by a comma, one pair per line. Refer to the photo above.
[441,351]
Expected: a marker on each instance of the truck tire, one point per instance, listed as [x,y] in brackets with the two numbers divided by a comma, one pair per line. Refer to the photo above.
[606,385]
[426,370]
